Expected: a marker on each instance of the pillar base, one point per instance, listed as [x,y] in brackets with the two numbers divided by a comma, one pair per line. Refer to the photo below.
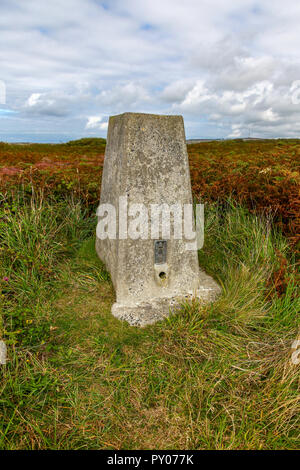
[149,311]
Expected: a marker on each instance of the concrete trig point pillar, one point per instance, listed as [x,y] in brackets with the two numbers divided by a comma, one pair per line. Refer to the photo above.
[146,162]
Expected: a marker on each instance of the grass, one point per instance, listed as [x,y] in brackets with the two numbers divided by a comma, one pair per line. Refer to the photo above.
[211,377]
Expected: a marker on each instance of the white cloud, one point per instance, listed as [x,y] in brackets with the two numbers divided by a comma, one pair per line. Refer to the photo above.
[33,99]
[95,122]
[198,94]
[48,104]
[236,131]
[121,96]
[269,115]
[176,91]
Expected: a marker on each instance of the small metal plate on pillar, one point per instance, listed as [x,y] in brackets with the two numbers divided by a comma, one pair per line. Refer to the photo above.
[160,251]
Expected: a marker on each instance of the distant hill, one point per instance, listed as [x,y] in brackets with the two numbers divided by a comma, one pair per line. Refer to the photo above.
[244,139]
[87,142]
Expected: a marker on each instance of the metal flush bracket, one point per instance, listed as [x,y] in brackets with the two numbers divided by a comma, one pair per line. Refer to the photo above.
[160,251]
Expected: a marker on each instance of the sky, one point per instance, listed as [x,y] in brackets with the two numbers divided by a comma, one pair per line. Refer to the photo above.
[231,68]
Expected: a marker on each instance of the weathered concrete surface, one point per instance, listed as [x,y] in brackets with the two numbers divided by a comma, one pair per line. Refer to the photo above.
[146,160]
